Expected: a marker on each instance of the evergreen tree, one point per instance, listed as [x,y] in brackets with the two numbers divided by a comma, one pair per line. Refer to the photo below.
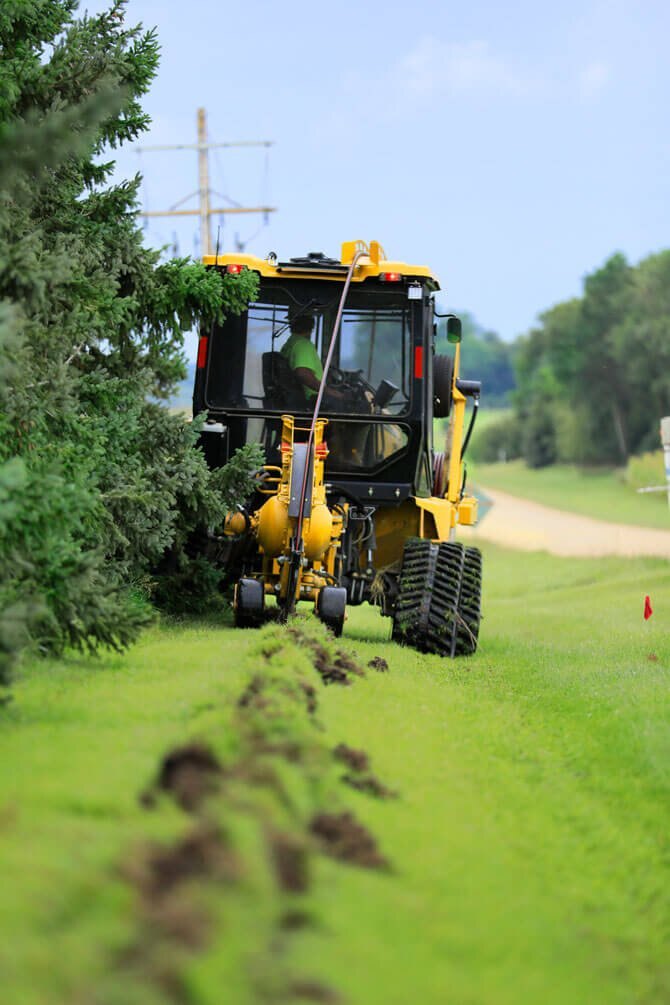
[95,480]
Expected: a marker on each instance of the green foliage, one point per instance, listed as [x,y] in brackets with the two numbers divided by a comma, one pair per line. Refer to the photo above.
[599,366]
[538,442]
[237,480]
[185,581]
[646,470]
[95,480]
[499,440]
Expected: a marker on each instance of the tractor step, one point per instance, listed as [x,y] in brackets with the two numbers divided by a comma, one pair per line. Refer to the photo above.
[439,599]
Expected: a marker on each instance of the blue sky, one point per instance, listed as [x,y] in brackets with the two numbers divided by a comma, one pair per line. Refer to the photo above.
[511,147]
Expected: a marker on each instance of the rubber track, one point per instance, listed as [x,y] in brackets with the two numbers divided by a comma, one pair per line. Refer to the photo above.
[413,604]
[438,607]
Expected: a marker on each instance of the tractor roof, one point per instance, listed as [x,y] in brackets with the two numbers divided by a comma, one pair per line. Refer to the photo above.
[315,265]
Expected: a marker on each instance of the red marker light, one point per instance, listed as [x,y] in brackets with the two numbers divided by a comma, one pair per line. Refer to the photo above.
[202,352]
[390,277]
[322,451]
[234,270]
[418,362]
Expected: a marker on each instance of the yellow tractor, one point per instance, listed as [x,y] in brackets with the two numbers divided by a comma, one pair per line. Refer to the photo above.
[333,371]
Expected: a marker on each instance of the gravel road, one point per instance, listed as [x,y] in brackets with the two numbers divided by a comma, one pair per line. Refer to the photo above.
[529,526]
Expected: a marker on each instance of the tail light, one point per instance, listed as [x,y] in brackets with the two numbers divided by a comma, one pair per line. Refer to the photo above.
[202,352]
[234,269]
[390,277]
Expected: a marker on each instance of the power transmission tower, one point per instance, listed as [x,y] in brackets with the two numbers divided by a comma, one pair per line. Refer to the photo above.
[203,192]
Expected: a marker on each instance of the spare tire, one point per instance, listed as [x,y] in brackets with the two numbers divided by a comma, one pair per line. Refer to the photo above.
[443,375]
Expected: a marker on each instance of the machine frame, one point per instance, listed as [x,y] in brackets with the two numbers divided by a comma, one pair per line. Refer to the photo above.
[332,536]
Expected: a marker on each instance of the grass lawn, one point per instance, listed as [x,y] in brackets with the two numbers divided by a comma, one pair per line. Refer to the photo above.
[529,842]
[601,494]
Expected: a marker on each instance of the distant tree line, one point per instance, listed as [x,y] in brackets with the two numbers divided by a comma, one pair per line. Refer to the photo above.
[593,378]
[484,356]
[97,479]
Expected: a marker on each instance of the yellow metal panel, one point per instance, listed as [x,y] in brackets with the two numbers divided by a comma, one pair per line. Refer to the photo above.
[467,511]
[350,249]
[370,266]
[443,513]
[392,527]
[273,525]
[318,532]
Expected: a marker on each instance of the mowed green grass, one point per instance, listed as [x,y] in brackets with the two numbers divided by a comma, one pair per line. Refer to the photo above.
[598,493]
[529,842]
[532,835]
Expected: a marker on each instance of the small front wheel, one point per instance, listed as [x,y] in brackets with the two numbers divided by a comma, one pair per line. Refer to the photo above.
[249,603]
[331,608]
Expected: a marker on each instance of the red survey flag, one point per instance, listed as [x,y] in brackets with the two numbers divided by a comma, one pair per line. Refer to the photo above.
[648,611]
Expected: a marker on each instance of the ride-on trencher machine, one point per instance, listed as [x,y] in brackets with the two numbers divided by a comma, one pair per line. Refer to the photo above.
[353,503]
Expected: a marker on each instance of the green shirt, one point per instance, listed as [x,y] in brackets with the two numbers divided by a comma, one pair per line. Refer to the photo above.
[300,352]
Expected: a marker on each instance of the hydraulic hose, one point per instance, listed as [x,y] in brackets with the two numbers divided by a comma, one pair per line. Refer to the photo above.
[297,546]
[322,387]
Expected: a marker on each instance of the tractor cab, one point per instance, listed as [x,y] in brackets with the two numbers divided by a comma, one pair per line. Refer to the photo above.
[379,395]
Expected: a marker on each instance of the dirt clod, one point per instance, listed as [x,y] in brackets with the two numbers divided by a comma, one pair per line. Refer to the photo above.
[359,775]
[370,785]
[332,670]
[180,921]
[314,992]
[253,696]
[342,837]
[310,696]
[202,853]
[188,774]
[290,861]
[379,664]
[652,657]
[357,760]
[8,816]
[295,920]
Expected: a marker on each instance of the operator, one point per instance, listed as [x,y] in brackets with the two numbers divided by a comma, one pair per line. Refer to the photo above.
[304,360]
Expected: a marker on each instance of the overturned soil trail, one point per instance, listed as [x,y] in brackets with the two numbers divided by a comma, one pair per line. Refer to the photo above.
[528,526]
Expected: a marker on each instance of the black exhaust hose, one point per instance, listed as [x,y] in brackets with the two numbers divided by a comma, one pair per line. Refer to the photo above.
[475,409]
[471,389]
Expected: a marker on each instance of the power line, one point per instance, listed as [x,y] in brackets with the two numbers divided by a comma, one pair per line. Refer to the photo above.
[203,192]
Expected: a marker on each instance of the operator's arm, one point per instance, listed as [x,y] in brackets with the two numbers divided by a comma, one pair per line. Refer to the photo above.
[309,379]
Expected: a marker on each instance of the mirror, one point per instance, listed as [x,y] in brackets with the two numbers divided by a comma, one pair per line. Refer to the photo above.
[453,328]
